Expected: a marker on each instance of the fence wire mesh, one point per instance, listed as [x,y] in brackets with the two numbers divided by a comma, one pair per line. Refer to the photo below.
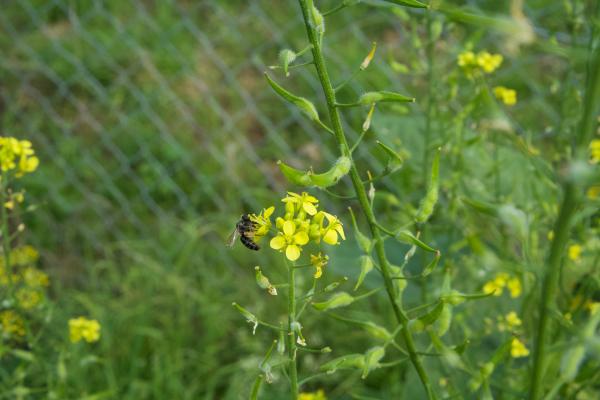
[147,111]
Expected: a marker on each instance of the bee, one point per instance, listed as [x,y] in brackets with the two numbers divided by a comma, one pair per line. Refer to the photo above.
[245,229]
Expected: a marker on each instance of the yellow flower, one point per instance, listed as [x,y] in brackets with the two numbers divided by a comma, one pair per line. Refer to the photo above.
[518,349]
[83,328]
[264,222]
[290,241]
[508,96]
[25,255]
[11,324]
[575,252]
[334,227]
[319,262]
[594,307]
[489,62]
[514,286]
[513,320]
[13,151]
[35,278]
[304,202]
[497,284]
[466,59]
[318,395]
[550,235]
[595,151]
[28,298]
[593,192]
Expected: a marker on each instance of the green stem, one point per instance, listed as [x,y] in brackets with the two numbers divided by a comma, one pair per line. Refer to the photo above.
[5,233]
[291,335]
[362,198]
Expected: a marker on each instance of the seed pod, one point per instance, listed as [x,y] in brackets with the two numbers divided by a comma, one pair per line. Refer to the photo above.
[407,237]
[281,342]
[372,358]
[317,20]
[378,332]
[263,282]
[286,57]
[395,160]
[384,97]
[444,320]
[340,168]
[428,203]
[366,265]
[455,297]
[340,299]
[432,315]
[294,175]
[363,241]
[303,104]
[431,266]
[353,361]
[250,318]
[409,3]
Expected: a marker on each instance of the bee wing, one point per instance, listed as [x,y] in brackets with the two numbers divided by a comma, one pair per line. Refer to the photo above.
[233,237]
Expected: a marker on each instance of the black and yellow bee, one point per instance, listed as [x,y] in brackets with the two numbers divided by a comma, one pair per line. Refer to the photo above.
[245,229]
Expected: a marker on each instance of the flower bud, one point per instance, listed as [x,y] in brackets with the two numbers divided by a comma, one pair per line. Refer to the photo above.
[365,64]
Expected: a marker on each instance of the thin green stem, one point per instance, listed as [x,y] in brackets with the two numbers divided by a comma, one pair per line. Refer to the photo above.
[363,199]
[5,232]
[291,336]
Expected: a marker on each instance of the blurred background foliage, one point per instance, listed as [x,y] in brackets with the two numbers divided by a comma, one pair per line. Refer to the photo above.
[156,130]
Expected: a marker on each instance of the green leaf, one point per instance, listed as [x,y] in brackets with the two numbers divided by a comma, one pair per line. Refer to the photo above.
[384,97]
[428,203]
[409,3]
[303,104]
[340,168]
[294,175]
[337,300]
[366,266]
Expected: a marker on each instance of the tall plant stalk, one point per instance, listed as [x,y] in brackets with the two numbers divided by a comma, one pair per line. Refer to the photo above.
[563,222]
[361,195]
[291,336]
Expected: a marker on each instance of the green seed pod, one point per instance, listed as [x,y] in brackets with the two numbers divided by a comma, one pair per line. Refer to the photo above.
[250,318]
[363,241]
[352,361]
[286,57]
[294,175]
[384,97]
[366,265]
[281,342]
[339,169]
[571,361]
[263,282]
[303,104]
[340,299]
[317,20]
[428,203]
[399,284]
[372,358]
[395,160]
[431,266]
[409,3]
[407,237]
[332,286]
[436,29]
[378,332]
[444,320]
[433,315]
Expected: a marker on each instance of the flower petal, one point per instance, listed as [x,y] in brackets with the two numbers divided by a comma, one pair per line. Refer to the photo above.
[278,242]
[340,229]
[289,228]
[309,208]
[301,238]
[292,252]
[330,237]
[269,211]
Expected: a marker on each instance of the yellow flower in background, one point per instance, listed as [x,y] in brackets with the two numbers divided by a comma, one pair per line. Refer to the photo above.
[35,278]
[290,241]
[489,62]
[506,95]
[513,320]
[497,284]
[333,229]
[575,252]
[514,287]
[595,151]
[594,307]
[319,261]
[28,298]
[11,325]
[17,154]
[304,202]
[318,395]
[264,222]
[593,192]
[466,59]
[82,328]
[518,349]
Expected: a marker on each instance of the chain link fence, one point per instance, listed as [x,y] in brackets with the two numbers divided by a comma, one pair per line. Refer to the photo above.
[144,112]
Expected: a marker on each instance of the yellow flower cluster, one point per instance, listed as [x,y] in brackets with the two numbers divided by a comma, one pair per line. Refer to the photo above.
[318,395]
[593,192]
[82,328]
[506,95]
[319,261]
[574,252]
[595,151]
[11,325]
[17,155]
[27,281]
[501,281]
[483,61]
[301,224]
[518,349]
[510,321]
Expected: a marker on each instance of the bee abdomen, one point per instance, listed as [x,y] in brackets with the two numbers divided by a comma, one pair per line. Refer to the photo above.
[249,243]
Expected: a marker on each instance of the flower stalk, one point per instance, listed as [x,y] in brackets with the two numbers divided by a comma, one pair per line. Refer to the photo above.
[293,372]
[361,194]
